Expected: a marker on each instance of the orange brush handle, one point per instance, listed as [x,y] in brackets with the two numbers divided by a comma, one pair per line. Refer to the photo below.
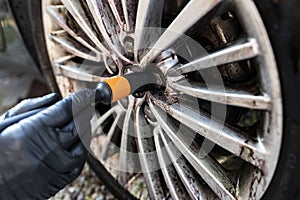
[120,87]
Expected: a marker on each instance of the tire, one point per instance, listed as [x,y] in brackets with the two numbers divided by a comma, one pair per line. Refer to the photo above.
[28,17]
[280,23]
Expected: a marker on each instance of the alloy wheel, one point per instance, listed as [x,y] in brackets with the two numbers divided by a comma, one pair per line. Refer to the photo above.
[189,138]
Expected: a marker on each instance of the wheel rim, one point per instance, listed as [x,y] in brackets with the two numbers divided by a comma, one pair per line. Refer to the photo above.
[244,156]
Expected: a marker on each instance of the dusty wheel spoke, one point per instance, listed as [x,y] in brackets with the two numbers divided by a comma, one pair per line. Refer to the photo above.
[76,10]
[125,11]
[232,141]
[148,157]
[192,12]
[109,148]
[100,121]
[208,168]
[64,60]
[217,94]
[106,26]
[230,54]
[144,20]
[127,161]
[171,178]
[116,6]
[129,10]
[56,12]
[72,71]
[74,47]
[195,189]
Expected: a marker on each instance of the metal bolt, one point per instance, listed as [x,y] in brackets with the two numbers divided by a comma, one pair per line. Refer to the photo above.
[129,44]
[111,64]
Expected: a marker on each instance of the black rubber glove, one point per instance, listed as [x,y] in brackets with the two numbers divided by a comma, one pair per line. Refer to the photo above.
[31,104]
[42,154]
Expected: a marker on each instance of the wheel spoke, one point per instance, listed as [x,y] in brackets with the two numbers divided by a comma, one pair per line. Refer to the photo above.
[63,59]
[116,6]
[109,148]
[72,71]
[100,121]
[230,54]
[56,12]
[127,161]
[171,178]
[208,168]
[107,27]
[148,157]
[225,96]
[191,182]
[129,10]
[234,142]
[144,21]
[193,11]
[76,10]
[74,47]
[125,11]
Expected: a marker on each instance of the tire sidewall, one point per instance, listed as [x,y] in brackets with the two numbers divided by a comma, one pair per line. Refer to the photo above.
[280,21]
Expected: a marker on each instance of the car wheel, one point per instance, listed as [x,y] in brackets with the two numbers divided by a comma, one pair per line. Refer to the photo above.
[221,127]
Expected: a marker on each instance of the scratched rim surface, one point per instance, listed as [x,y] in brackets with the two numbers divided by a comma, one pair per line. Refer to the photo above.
[89,40]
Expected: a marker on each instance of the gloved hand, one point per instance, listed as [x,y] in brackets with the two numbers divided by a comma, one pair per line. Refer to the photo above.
[42,154]
[31,104]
